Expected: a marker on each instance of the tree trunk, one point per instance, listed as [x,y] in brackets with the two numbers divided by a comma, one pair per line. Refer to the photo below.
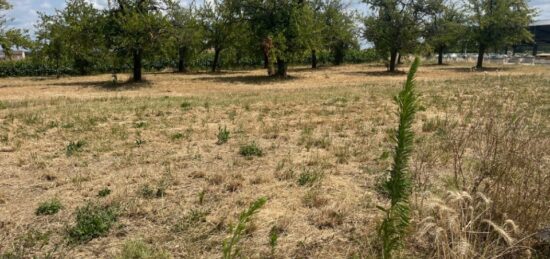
[313,59]
[440,57]
[182,66]
[281,67]
[399,59]
[266,59]
[57,61]
[393,60]
[339,53]
[216,60]
[480,54]
[137,65]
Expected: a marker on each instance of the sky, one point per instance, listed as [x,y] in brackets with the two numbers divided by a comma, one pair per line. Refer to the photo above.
[24,12]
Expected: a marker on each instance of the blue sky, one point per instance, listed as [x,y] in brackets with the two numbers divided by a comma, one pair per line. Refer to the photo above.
[24,12]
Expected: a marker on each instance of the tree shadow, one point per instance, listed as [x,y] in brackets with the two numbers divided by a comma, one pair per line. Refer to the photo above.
[435,65]
[193,72]
[248,79]
[474,69]
[377,73]
[308,69]
[107,85]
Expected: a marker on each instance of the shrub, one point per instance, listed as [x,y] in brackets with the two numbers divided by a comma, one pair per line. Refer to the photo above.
[223,135]
[392,231]
[49,207]
[92,221]
[230,248]
[251,150]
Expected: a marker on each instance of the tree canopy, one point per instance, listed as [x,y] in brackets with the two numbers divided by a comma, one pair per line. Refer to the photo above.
[168,33]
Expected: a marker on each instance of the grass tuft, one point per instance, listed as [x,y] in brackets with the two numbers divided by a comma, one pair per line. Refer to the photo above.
[223,135]
[251,150]
[74,147]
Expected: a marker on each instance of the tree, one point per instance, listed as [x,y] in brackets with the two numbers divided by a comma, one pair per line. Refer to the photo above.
[445,26]
[85,43]
[135,28]
[10,38]
[394,27]
[339,30]
[281,26]
[221,26]
[50,40]
[314,28]
[498,23]
[186,32]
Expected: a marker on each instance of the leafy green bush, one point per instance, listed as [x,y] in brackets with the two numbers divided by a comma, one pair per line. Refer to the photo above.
[92,221]
[49,207]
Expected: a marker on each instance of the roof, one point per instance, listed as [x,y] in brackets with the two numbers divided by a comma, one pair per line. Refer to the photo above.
[541,23]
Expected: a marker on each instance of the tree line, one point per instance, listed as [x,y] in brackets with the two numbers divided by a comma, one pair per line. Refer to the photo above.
[277,32]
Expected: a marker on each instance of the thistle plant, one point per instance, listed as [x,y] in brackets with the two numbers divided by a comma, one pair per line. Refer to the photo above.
[230,248]
[398,186]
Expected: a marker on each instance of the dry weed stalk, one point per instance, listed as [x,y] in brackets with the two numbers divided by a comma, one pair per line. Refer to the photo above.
[462,226]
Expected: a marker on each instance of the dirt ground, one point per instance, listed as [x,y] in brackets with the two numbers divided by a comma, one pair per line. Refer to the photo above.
[323,135]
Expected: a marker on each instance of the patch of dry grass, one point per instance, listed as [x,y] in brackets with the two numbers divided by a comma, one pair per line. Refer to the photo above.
[333,123]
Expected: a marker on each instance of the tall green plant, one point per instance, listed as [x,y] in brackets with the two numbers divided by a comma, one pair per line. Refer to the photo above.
[230,249]
[398,186]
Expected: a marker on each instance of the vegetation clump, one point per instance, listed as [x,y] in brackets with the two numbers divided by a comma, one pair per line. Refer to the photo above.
[137,249]
[92,221]
[104,192]
[223,135]
[74,147]
[49,207]
[251,150]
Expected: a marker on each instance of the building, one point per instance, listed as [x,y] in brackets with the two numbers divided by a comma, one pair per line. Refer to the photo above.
[541,37]
[15,55]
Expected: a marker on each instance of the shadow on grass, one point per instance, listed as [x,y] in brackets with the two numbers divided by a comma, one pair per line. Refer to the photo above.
[473,69]
[194,72]
[107,85]
[248,79]
[377,73]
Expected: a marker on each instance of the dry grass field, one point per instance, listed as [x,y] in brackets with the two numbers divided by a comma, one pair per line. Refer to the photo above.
[150,159]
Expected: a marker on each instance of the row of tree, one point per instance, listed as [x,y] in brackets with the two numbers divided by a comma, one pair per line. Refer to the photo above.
[278,31]
[411,26]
